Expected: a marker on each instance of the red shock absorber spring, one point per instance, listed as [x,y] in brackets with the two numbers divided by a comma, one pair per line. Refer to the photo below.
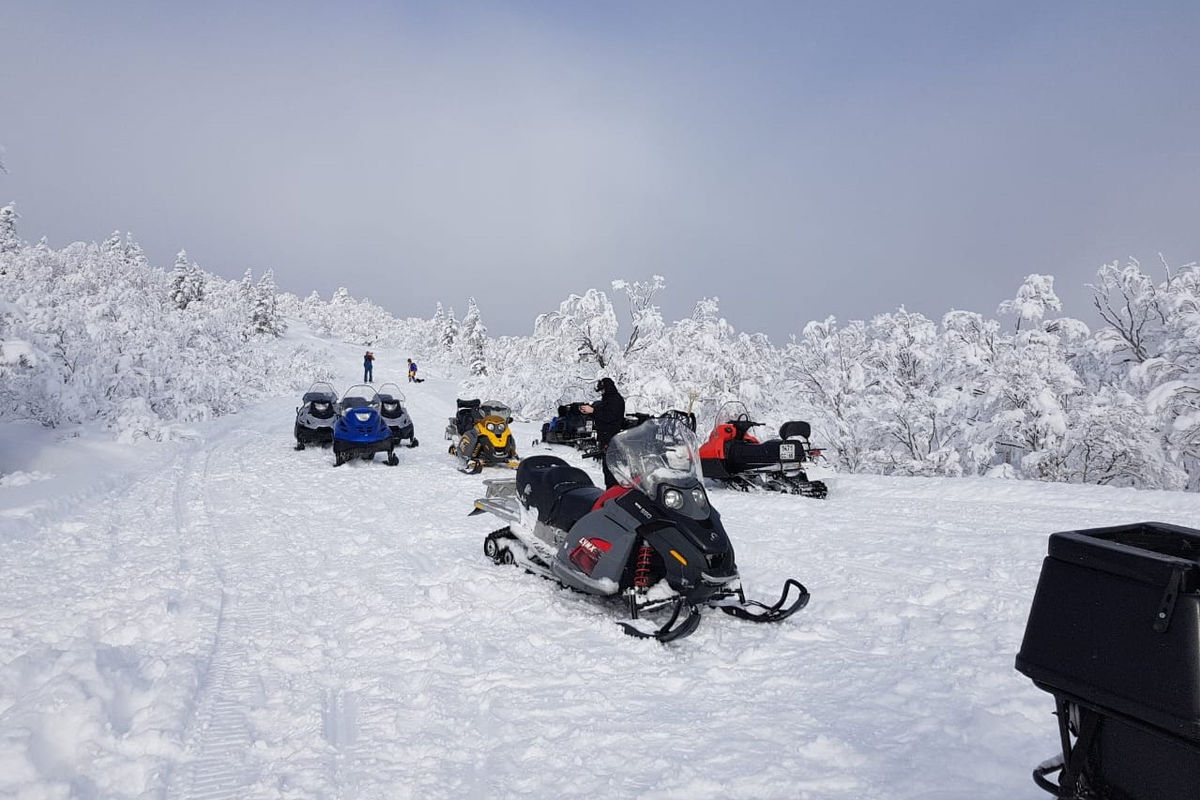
[641,570]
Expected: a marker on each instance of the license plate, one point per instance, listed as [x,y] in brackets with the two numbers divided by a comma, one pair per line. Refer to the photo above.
[787,452]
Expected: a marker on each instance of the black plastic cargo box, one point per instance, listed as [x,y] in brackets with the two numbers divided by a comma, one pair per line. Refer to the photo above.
[1114,635]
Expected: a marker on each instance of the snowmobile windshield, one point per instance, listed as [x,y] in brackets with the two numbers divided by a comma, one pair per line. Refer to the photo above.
[575,393]
[390,393]
[733,412]
[494,408]
[320,392]
[361,396]
[659,452]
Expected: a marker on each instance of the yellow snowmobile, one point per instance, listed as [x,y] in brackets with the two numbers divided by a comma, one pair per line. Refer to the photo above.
[481,436]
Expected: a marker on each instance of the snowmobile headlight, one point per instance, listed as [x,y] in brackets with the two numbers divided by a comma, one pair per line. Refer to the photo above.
[320,406]
[491,426]
[700,498]
[500,428]
[673,499]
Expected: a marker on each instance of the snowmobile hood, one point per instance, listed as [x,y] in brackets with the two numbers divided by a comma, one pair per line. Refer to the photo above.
[361,424]
[495,429]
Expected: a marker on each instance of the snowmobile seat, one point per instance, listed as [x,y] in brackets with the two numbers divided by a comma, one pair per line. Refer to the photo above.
[562,494]
[741,456]
[464,420]
[797,428]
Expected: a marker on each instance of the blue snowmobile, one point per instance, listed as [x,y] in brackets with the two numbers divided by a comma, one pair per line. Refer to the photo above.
[360,430]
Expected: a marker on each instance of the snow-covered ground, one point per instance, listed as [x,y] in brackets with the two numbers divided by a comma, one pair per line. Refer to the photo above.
[225,617]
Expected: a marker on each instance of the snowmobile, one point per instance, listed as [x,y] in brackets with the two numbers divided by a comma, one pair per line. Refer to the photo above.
[571,426]
[735,458]
[653,541]
[391,408]
[360,430]
[481,437]
[315,416]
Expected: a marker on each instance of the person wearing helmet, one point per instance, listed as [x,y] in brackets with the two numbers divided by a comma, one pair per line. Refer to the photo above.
[609,415]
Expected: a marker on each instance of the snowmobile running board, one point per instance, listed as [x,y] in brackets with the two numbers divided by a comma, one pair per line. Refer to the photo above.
[504,508]
[754,611]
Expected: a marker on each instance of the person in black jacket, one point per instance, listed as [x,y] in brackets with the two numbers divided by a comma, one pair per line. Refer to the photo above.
[608,414]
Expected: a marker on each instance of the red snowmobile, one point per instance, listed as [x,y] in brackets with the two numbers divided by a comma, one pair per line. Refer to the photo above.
[737,459]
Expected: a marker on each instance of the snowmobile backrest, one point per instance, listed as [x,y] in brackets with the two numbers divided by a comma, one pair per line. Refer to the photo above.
[686,417]
[464,420]
[797,428]
[560,493]
[468,403]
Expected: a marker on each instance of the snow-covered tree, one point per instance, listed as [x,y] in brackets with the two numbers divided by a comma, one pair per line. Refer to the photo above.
[9,241]
[585,325]
[265,319]
[187,282]
[645,318]
[829,367]
[1034,298]
[473,340]
[1128,302]
[448,332]
[916,401]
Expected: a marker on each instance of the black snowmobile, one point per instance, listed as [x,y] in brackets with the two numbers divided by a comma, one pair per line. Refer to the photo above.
[737,459]
[654,541]
[391,408]
[570,426]
[481,436]
[316,415]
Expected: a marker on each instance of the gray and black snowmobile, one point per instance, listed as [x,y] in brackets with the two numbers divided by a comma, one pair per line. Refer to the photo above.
[391,408]
[653,542]
[316,415]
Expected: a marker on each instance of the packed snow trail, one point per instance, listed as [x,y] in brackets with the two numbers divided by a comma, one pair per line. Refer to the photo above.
[230,618]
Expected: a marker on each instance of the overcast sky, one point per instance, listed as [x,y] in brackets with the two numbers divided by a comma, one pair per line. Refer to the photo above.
[796,159]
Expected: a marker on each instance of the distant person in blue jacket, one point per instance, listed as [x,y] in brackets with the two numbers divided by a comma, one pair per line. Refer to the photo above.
[368,366]
[412,372]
